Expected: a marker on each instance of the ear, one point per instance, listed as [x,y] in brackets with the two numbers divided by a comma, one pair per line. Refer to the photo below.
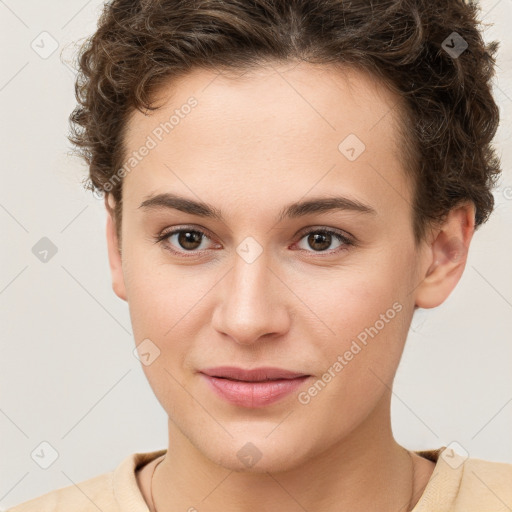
[114,252]
[446,256]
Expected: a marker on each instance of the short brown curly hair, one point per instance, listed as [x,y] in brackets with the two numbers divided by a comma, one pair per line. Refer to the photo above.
[449,116]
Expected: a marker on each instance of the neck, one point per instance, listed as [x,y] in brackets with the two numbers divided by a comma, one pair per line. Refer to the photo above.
[367,470]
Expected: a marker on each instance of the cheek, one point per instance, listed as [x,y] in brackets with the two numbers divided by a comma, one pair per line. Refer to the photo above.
[367,314]
[158,293]
[350,299]
[358,364]
[162,302]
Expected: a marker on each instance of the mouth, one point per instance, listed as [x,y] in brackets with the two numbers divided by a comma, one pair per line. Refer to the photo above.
[254,388]
[255,375]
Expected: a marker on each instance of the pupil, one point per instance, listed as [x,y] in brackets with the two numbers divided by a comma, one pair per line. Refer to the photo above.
[185,238]
[314,238]
[189,239]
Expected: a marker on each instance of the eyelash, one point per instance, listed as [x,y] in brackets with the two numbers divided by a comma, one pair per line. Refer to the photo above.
[161,239]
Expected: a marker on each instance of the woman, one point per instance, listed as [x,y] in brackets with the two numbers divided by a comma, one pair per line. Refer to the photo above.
[286,182]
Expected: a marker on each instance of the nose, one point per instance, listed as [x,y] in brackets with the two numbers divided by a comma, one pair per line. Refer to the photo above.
[253,302]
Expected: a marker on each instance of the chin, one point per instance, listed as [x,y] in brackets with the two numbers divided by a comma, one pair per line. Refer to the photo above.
[248,453]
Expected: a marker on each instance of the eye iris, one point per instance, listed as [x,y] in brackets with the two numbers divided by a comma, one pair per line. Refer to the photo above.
[190,240]
[313,238]
[189,237]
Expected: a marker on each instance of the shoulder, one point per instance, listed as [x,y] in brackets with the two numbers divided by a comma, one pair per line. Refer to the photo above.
[87,496]
[463,484]
[115,491]
[486,482]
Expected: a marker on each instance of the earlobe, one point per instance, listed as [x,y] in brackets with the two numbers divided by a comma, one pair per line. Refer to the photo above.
[447,257]
[114,253]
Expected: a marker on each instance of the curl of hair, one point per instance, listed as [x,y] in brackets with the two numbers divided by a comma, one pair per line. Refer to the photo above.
[449,116]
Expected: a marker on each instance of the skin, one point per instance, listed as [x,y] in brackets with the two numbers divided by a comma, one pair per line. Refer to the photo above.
[250,147]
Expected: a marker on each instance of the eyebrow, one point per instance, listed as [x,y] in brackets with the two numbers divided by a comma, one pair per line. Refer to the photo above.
[291,211]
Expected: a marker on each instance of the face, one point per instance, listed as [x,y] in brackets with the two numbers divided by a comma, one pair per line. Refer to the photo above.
[327,293]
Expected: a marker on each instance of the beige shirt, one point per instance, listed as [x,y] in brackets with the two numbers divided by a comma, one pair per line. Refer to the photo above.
[456,485]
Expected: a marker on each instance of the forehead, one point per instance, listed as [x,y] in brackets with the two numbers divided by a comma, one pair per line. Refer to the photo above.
[292,126]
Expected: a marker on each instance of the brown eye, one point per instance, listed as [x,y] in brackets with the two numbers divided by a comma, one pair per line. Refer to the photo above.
[320,240]
[189,240]
[183,240]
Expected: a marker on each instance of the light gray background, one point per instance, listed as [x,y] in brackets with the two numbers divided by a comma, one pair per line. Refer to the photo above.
[68,374]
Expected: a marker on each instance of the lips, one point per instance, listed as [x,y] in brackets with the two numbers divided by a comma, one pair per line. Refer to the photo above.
[255,388]
[255,375]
